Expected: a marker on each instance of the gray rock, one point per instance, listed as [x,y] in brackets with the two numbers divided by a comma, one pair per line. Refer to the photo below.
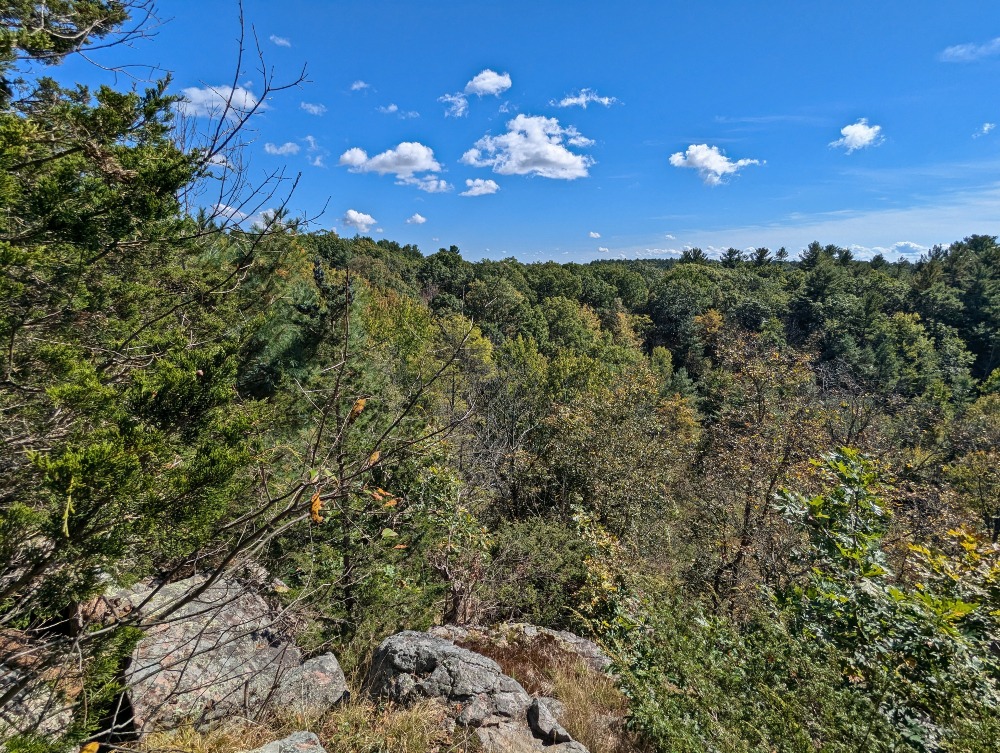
[217,656]
[556,707]
[297,742]
[544,724]
[513,738]
[313,688]
[411,666]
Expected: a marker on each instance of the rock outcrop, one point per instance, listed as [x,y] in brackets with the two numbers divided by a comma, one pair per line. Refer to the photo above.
[410,666]
[312,688]
[221,654]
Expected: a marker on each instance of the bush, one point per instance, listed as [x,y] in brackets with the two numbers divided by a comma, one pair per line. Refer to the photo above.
[538,569]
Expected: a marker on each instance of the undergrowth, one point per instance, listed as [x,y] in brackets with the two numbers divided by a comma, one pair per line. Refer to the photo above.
[355,727]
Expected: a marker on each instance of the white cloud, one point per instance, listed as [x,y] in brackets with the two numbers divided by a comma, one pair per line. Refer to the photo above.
[313,109]
[289,147]
[360,85]
[218,101]
[899,249]
[316,154]
[669,237]
[416,219]
[393,109]
[427,183]
[280,41]
[480,187]
[358,220]
[232,213]
[458,105]
[603,249]
[242,218]
[859,135]
[488,82]
[984,129]
[405,161]
[968,53]
[533,145]
[711,164]
[583,98]
[592,234]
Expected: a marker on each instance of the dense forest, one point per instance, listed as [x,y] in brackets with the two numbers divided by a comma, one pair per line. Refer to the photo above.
[768,484]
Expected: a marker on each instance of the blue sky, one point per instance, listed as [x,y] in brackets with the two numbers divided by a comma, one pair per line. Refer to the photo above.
[584,130]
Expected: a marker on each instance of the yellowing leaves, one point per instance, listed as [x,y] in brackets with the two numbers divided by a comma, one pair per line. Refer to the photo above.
[359,405]
[315,506]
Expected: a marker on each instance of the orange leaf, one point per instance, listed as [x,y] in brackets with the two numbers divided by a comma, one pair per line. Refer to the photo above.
[314,508]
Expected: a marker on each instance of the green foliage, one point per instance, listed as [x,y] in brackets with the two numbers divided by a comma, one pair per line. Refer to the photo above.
[922,651]
[537,573]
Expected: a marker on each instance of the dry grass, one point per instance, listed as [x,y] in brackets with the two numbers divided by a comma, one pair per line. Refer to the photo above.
[355,727]
[595,708]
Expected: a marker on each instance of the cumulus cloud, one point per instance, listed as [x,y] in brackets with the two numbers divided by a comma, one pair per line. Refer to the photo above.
[286,149]
[405,162]
[858,135]
[360,85]
[583,98]
[388,109]
[218,101]
[968,53]
[280,41]
[416,219]
[712,165]
[603,249]
[984,129]
[487,82]
[533,145]
[594,235]
[358,220]
[480,187]
[313,109]
[406,159]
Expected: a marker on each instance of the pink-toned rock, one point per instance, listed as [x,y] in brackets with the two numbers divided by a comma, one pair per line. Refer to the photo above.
[218,656]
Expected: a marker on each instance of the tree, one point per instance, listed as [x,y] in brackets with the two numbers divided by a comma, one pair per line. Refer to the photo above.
[731,258]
